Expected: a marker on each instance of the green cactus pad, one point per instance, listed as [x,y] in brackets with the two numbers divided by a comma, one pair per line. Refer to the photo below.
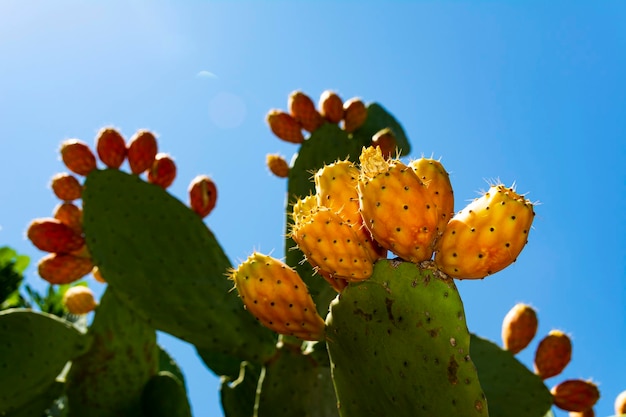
[399,346]
[109,379]
[34,349]
[38,405]
[164,396]
[326,145]
[295,385]
[167,363]
[238,395]
[511,388]
[166,264]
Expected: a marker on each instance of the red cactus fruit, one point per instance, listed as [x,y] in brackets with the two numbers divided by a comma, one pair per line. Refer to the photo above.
[66,187]
[50,235]
[163,171]
[111,147]
[202,195]
[331,106]
[354,114]
[78,157]
[60,269]
[278,165]
[302,108]
[70,215]
[553,354]
[141,151]
[519,327]
[575,395]
[284,126]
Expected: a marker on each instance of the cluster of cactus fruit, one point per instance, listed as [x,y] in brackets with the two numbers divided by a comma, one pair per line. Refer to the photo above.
[337,328]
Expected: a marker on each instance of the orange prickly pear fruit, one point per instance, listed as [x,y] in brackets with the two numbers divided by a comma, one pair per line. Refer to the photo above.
[284,126]
[50,235]
[385,139]
[66,187]
[519,327]
[575,395]
[331,244]
[60,269]
[141,151]
[396,207]
[553,354]
[163,170]
[354,114]
[302,108]
[278,165]
[79,300]
[202,195]
[437,180]
[70,215]
[486,236]
[620,404]
[331,106]
[97,275]
[111,147]
[77,156]
[276,295]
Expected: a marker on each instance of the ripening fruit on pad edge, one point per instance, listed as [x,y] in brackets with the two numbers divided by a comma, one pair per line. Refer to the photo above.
[519,327]
[486,236]
[79,300]
[276,295]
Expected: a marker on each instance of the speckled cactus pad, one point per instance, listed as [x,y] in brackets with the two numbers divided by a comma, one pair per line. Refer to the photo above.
[399,345]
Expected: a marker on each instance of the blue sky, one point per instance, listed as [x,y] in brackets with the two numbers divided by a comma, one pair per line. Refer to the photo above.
[522,91]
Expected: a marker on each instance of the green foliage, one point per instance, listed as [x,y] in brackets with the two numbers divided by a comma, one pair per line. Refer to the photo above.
[12,267]
[34,350]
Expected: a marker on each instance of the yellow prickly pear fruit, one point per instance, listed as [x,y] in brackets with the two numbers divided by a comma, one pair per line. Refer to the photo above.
[434,176]
[575,395]
[331,106]
[278,165]
[302,108]
[486,236]
[335,188]
[553,354]
[519,327]
[276,295]
[79,300]
[284,126]
[354,114]
[396,206]
[331,244]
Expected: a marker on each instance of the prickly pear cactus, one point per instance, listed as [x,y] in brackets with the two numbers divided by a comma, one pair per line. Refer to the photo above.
[399,345]
[167,266]
[295,385]
[109,379]
[34,349]
[324,146]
